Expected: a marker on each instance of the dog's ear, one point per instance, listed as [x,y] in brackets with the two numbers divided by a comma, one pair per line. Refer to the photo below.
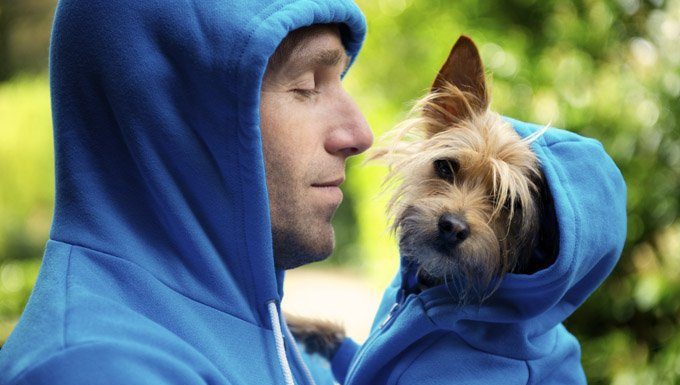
[464,70]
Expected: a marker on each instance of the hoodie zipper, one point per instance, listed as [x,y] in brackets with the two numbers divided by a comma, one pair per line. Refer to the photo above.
[389,316]
[384,325]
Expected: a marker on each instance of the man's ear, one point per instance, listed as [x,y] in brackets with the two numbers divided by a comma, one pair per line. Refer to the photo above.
[464,70]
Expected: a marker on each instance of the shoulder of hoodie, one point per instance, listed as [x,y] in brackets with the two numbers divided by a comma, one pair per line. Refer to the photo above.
[103,342]
[109,363]
[126,348]
[553,137]
[572,155]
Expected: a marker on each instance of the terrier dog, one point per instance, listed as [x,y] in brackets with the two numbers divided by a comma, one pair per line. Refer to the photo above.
[467,208]
[467,205]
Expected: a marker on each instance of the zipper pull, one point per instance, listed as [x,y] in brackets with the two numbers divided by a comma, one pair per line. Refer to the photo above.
[390,314]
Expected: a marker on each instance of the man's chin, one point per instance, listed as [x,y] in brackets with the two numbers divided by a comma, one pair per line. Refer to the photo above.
[309,260]
[290,253]
[297,261]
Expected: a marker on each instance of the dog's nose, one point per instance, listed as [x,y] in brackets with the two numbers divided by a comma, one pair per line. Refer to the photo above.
[453,229]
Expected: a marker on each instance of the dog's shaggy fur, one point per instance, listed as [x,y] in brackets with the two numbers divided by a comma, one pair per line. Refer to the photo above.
[457,158]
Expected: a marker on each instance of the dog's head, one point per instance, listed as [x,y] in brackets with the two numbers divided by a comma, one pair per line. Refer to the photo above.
[466,208]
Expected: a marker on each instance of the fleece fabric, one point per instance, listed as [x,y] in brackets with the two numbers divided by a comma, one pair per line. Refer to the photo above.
[516,336]
[159,266]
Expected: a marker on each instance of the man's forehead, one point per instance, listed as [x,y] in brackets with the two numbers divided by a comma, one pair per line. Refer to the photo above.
[318,56]
[310,47]
[318,46]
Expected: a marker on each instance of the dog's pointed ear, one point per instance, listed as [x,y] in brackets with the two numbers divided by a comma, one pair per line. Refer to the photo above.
[464,70]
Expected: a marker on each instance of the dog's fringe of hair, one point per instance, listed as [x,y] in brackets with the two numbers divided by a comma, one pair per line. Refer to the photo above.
[411,129]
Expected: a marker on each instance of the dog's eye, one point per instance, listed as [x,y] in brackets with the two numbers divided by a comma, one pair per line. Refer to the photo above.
[517,205]
[446,168]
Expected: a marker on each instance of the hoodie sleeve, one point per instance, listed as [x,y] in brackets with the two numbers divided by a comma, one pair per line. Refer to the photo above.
[124,365]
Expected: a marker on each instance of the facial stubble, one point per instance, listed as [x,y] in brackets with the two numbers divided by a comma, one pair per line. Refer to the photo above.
[301,227]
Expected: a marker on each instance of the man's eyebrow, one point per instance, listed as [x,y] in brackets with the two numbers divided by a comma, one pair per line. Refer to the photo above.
[329,58]
[325,58]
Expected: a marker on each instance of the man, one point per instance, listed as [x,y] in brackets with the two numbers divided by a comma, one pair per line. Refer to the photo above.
[310,125]
[164,265]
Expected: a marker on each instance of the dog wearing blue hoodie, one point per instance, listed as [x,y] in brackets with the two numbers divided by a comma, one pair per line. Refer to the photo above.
[504,229]
[467,208]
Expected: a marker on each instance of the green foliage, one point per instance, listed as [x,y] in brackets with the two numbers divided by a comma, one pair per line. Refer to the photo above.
[605,69]
[27,177]
[26,190]
[24,35]
[16,282]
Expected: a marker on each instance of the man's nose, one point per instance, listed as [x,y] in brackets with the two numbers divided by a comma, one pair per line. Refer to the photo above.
[352,134]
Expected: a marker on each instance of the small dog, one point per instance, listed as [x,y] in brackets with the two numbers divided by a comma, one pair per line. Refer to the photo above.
[468,206]
[469,195]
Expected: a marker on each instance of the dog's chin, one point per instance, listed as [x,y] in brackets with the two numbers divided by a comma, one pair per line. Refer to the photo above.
[436,263]
[455,268]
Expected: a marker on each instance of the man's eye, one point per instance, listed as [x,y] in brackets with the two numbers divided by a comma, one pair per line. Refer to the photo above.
[305,93]
[446,168]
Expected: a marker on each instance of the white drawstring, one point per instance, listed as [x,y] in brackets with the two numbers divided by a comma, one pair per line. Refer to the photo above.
[280,347]
[298,356]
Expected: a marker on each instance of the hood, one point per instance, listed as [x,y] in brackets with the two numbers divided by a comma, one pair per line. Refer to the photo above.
[587,219]
[157,139]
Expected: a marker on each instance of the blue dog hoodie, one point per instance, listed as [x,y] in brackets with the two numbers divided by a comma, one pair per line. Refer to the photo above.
[515,337]
[159,266]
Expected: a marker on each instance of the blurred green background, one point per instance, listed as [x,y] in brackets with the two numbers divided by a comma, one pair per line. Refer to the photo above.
[605,69]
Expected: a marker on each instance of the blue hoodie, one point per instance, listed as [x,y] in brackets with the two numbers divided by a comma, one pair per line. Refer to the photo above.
[516,336]
[159,266]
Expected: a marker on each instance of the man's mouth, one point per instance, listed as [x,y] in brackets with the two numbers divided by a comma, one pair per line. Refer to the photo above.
[332,183]
[330,190]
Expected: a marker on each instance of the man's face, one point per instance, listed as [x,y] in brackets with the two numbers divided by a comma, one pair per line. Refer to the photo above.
[310,126]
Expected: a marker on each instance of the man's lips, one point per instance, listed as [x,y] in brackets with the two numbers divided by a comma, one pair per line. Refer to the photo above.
[332,183]
[330,190]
